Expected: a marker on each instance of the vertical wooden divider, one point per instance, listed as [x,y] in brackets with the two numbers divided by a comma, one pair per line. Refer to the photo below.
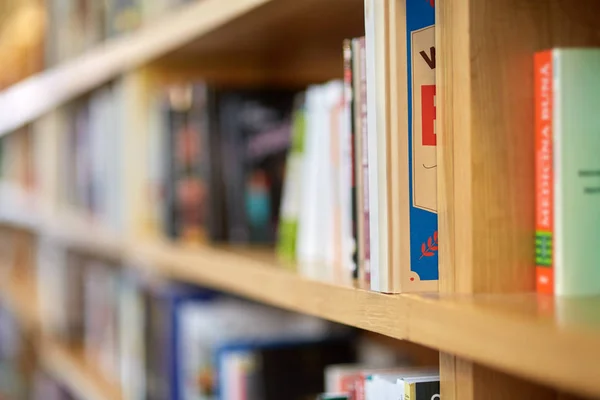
[485,156]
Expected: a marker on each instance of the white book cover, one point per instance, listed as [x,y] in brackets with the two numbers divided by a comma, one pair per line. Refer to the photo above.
[375,125]
[312,221]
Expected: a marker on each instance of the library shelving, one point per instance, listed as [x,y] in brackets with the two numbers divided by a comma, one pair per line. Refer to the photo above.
[65,363]
[552,341]
[497,339]
[71,368]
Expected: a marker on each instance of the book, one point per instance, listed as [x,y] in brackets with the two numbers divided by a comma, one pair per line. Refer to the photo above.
[188,179]
[291,201]
[255,131]
[364,238]
[204,327]
[162,342]
[423,260]
[251,369]
[123,16]
[405,383]
[101,317]
[325,242]
[131,326]
[360,161]
[401,150]
[421,388]
[567,88]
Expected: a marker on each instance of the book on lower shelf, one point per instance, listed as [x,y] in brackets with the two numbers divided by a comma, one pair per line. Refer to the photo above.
[567,90]
[363,382]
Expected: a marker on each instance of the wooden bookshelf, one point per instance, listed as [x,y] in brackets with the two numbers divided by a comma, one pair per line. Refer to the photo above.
[497,339]
[230,38]
[547,340]
[68,365]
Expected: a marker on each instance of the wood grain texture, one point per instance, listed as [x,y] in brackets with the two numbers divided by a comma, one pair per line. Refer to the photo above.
[485,190]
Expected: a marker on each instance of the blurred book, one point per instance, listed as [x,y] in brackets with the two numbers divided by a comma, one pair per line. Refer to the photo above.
[254,370]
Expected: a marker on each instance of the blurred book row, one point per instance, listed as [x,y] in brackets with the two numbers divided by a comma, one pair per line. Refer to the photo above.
[38,34]
[75,26]
[314,172]
[164,340]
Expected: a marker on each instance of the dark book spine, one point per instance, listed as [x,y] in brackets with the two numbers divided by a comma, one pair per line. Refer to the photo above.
[187,186]
[174,125]
[216,218]
[349,104]
[427,391]
[233,163]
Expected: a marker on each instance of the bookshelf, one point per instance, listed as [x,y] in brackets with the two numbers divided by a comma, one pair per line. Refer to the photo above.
[497,340]
[550,342]
[67,364]
[70,367]
[200,30]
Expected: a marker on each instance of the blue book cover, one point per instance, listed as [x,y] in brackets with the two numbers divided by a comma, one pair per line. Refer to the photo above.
[420,20]
[163,332]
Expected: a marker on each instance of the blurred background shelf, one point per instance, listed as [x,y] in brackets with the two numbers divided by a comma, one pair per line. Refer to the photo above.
[551,341]
[224,39]
[69,366]
[18,207]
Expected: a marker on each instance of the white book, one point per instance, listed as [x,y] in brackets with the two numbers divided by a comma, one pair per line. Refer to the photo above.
[377,109]
[310,234]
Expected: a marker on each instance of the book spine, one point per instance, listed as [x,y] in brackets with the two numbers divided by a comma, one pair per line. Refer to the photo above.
[372,177]
[349,100]
[544,174]
[422,391]
[364,162]
[422,143]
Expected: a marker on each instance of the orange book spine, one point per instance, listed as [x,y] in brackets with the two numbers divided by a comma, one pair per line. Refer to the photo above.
[544,174]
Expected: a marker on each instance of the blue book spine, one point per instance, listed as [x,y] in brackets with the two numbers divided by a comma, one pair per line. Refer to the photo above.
[420,20]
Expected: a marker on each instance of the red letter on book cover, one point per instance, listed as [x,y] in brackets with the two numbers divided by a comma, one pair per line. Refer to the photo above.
[428,116]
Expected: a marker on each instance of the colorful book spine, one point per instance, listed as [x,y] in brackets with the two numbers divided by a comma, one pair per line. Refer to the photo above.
[567,92]
[422,164]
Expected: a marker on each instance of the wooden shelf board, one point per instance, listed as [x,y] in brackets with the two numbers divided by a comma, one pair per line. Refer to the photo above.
[553,341]
[286,41]
[34,96]
[17,207]
[19,294]
[70,367]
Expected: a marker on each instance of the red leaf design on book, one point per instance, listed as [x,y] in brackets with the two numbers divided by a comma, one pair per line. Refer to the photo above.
[431,247]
